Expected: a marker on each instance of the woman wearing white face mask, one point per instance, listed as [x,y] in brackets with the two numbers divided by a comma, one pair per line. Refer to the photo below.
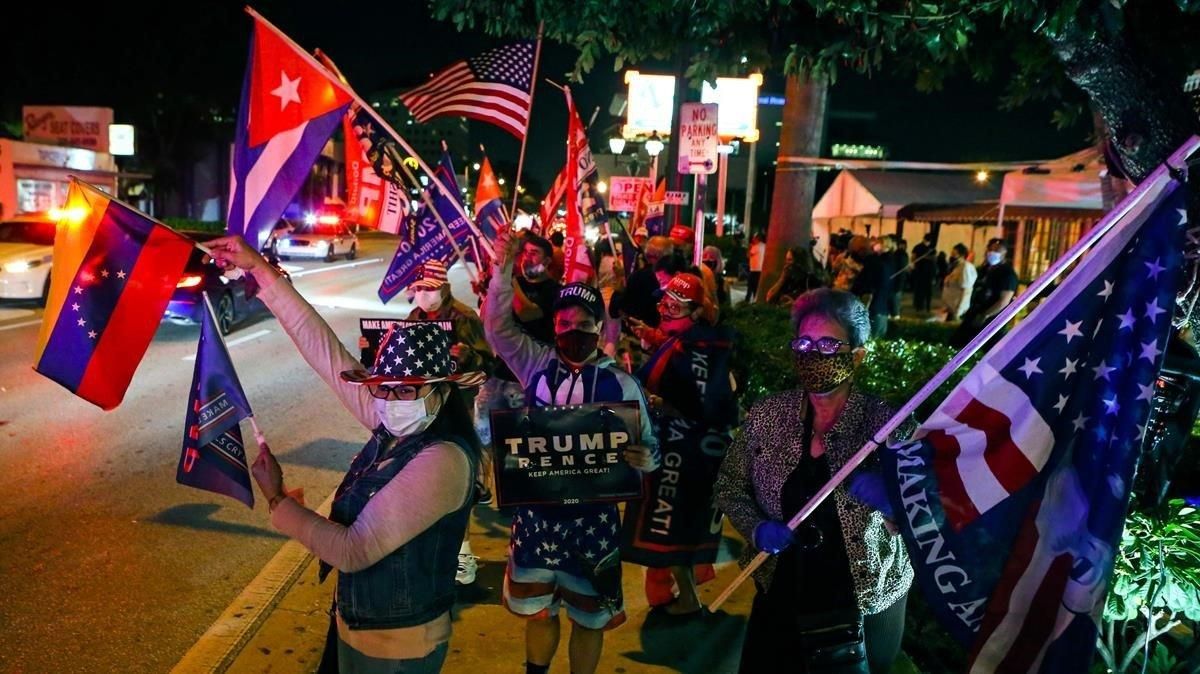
[400,512]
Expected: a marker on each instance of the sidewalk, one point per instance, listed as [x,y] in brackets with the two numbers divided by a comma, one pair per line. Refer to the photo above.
[489,639]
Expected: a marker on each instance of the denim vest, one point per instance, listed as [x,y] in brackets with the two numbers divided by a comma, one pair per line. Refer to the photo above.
[414,583]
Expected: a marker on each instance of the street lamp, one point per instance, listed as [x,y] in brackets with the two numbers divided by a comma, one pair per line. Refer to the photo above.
[653,147]
[601,187]
[981,176]
[616,145]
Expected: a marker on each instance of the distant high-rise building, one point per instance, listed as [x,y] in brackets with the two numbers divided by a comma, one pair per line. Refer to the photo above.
[426,139]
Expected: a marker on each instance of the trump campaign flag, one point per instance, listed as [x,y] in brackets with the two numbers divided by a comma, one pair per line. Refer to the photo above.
[1012,495]
[214,457]
[489,209]
[114,272]
[424,238]
[577,264]
[375,193]
[290,106]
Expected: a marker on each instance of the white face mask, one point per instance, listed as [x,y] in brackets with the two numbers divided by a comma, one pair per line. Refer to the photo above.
[407,417]
[994,258]
[429,300]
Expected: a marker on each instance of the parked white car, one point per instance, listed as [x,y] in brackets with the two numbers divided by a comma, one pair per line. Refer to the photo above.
[26,251]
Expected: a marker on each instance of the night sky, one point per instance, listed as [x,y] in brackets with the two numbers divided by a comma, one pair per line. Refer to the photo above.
[124,56]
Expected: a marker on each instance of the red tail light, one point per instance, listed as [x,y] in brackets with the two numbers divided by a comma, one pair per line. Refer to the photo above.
[190,281]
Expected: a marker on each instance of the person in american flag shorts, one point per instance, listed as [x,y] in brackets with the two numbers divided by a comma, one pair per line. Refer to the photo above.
[564,555]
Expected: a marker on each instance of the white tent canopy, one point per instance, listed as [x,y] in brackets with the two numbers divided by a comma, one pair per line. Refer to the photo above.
[1072,182]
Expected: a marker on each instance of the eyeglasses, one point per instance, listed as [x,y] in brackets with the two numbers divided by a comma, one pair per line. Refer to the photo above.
[825,345]
[394,391]
[672,309]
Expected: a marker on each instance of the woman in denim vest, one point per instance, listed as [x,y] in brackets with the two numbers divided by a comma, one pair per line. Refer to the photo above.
[399,515]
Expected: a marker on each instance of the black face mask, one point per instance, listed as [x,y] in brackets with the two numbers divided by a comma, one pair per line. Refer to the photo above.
[576,346]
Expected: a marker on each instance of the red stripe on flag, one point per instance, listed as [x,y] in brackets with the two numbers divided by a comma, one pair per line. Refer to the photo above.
[1010,466]
[1040,618]
[960,510]
[136,317]
[1018,561]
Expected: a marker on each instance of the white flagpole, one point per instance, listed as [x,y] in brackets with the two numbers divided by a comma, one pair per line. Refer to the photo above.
[1148,187]
[537,57]
[366,107]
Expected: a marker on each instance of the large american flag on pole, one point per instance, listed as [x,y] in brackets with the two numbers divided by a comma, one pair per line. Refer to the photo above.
[1012,496]
[492,87]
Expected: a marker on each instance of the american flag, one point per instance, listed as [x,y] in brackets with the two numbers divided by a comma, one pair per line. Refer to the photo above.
[492,87]
[1013,494]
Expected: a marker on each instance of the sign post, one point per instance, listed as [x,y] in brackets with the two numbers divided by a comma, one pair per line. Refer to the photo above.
[698,141]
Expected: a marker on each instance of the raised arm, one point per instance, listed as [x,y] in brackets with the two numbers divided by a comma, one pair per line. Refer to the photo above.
[523,354]
[313,337]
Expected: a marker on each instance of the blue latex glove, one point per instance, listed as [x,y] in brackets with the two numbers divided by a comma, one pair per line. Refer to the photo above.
[772,537]
[867,488]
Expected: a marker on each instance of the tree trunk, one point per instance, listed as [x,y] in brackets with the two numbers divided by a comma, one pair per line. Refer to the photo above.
[1148,118]
[792,203]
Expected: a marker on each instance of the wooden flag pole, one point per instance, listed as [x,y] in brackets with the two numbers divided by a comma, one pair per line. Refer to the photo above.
[366,107]
[1150,187]
[537,57]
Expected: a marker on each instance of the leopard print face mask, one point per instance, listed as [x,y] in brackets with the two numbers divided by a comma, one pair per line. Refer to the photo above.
[818,373]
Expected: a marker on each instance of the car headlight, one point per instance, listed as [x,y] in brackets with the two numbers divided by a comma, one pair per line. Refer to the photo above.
[21,266]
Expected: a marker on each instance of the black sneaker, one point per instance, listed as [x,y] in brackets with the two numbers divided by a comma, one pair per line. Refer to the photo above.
[483,495]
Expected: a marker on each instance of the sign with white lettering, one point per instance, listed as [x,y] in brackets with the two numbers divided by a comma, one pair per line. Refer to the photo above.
[68,125]
[698,138]
[676,198]
[623,192]
[565,455]
[373,330]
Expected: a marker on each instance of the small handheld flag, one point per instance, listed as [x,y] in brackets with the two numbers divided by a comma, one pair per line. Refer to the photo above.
[214,456]
[114,272]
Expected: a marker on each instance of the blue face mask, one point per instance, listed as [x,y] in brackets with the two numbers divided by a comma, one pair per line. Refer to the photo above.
[994,258]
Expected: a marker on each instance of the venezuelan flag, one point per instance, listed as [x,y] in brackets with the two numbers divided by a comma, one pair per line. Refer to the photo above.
[114,271]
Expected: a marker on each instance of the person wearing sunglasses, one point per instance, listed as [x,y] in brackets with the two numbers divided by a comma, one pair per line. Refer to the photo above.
[694,409]
[833,594]
[401,510]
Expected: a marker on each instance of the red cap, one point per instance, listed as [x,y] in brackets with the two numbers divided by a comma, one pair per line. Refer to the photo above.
[686,288]
[681,235]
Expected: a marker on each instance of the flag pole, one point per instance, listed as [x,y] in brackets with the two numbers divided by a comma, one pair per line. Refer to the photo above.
[537,56]
[328,63]
[106,195]
[366,107]
[1148,188]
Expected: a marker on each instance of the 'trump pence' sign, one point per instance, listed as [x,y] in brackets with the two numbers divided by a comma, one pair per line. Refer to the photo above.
[698,138]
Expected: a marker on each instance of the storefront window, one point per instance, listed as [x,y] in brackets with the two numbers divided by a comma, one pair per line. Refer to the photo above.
[39,196]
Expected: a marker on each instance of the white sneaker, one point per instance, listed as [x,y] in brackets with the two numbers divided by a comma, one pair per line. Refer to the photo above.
[466,569]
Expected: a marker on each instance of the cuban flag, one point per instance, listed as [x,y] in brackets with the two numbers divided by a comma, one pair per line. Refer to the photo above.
[1012,496]
[290,107]
[214,456]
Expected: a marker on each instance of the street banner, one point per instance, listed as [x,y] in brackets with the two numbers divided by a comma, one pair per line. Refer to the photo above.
[289,109]
[565,455]
[677,522]
[214,456]
[423,237]
[625,191]
[1012,495]
[376,196]
[373,329]
[698,138]
[115,269]
[676,198]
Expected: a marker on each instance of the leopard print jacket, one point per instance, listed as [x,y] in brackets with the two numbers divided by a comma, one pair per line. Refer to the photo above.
[763,456]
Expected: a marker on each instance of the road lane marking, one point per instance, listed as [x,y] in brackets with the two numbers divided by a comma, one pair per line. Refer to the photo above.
[400,308]
[218,647]
[346,265]
[239,340]
[14,326]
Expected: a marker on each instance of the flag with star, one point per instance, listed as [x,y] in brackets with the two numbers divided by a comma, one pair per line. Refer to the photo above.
[1012,495]
[492,87]
[114,272]
[290,107]
[214,456]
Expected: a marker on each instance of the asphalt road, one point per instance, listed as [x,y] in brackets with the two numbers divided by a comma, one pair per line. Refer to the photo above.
[106,564]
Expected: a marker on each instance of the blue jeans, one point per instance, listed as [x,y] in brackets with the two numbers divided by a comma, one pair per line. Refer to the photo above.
[351,661]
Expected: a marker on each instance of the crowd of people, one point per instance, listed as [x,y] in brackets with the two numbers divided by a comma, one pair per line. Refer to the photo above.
[832,596]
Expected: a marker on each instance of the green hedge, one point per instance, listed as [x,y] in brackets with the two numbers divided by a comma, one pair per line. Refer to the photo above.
[933,332]
[187,224]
